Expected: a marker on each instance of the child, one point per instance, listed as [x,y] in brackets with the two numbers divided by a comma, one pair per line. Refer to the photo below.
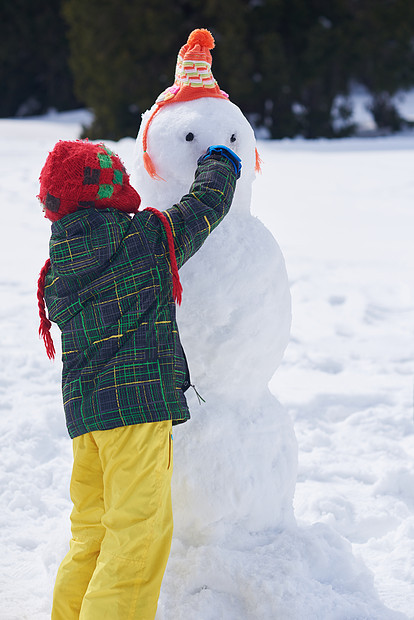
[111,284]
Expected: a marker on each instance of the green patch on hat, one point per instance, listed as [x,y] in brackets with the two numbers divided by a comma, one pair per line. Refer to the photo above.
[105,191]
[117,180]
[105,160]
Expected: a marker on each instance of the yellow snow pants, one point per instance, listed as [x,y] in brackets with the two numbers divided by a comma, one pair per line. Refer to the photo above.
[121,525]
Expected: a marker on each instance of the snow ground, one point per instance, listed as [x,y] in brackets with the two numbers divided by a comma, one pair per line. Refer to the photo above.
[342,214]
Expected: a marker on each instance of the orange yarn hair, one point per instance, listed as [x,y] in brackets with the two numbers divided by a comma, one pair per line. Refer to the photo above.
[258,164]
[148,163]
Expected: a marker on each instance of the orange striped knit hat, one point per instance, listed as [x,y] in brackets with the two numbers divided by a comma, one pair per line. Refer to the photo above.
[193,80]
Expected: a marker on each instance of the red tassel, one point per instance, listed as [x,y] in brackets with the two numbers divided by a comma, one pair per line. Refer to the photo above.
[45,324]
[177,287]
[44,332]
[258,166]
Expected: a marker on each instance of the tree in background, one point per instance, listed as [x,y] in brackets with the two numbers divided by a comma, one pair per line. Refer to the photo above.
[286,63]
[282,61]
[123,55]
[384,54]
[301,53]
[34,71]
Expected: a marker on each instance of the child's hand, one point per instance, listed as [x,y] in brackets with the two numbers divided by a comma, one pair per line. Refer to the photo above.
[220,149]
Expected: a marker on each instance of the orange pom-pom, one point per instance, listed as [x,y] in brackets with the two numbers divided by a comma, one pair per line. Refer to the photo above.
[201,37]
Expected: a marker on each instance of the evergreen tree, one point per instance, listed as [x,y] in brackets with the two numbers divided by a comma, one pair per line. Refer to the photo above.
[384,54]
[311,51]
[123,56]
[284,62]
[34,69]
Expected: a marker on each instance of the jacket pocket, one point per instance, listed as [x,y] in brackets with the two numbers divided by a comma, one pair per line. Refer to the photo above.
[182,370]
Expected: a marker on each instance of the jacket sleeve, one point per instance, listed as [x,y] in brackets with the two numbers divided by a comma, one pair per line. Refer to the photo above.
[202,209]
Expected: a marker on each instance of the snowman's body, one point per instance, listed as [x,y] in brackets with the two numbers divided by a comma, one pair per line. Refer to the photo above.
[235,462]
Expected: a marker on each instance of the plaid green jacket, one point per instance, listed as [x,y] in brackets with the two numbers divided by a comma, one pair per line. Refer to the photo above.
[109,289]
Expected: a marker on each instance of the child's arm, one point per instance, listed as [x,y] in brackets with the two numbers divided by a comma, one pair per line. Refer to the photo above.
[207,202]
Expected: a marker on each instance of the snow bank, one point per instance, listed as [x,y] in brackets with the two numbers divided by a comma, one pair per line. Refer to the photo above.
[342,215]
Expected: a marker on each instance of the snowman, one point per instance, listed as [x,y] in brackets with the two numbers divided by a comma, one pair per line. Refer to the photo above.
[235,461]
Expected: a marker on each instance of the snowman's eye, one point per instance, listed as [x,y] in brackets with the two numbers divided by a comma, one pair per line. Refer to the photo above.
[233,138]
[189,137]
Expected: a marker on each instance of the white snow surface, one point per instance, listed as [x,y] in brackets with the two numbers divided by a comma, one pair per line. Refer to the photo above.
[341,212]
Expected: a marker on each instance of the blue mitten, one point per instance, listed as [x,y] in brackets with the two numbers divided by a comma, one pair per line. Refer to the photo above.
[222,150]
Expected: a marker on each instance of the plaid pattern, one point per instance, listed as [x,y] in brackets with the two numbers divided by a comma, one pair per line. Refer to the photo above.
[109,289]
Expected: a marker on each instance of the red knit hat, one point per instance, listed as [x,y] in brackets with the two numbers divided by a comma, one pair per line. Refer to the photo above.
[193,80]
[79,175]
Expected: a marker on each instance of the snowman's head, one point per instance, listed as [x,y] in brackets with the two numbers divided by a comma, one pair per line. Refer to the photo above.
[178,135]
[187,118]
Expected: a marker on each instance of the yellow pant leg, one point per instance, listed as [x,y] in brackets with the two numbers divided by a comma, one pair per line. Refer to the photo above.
[86,489]
[137,468]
